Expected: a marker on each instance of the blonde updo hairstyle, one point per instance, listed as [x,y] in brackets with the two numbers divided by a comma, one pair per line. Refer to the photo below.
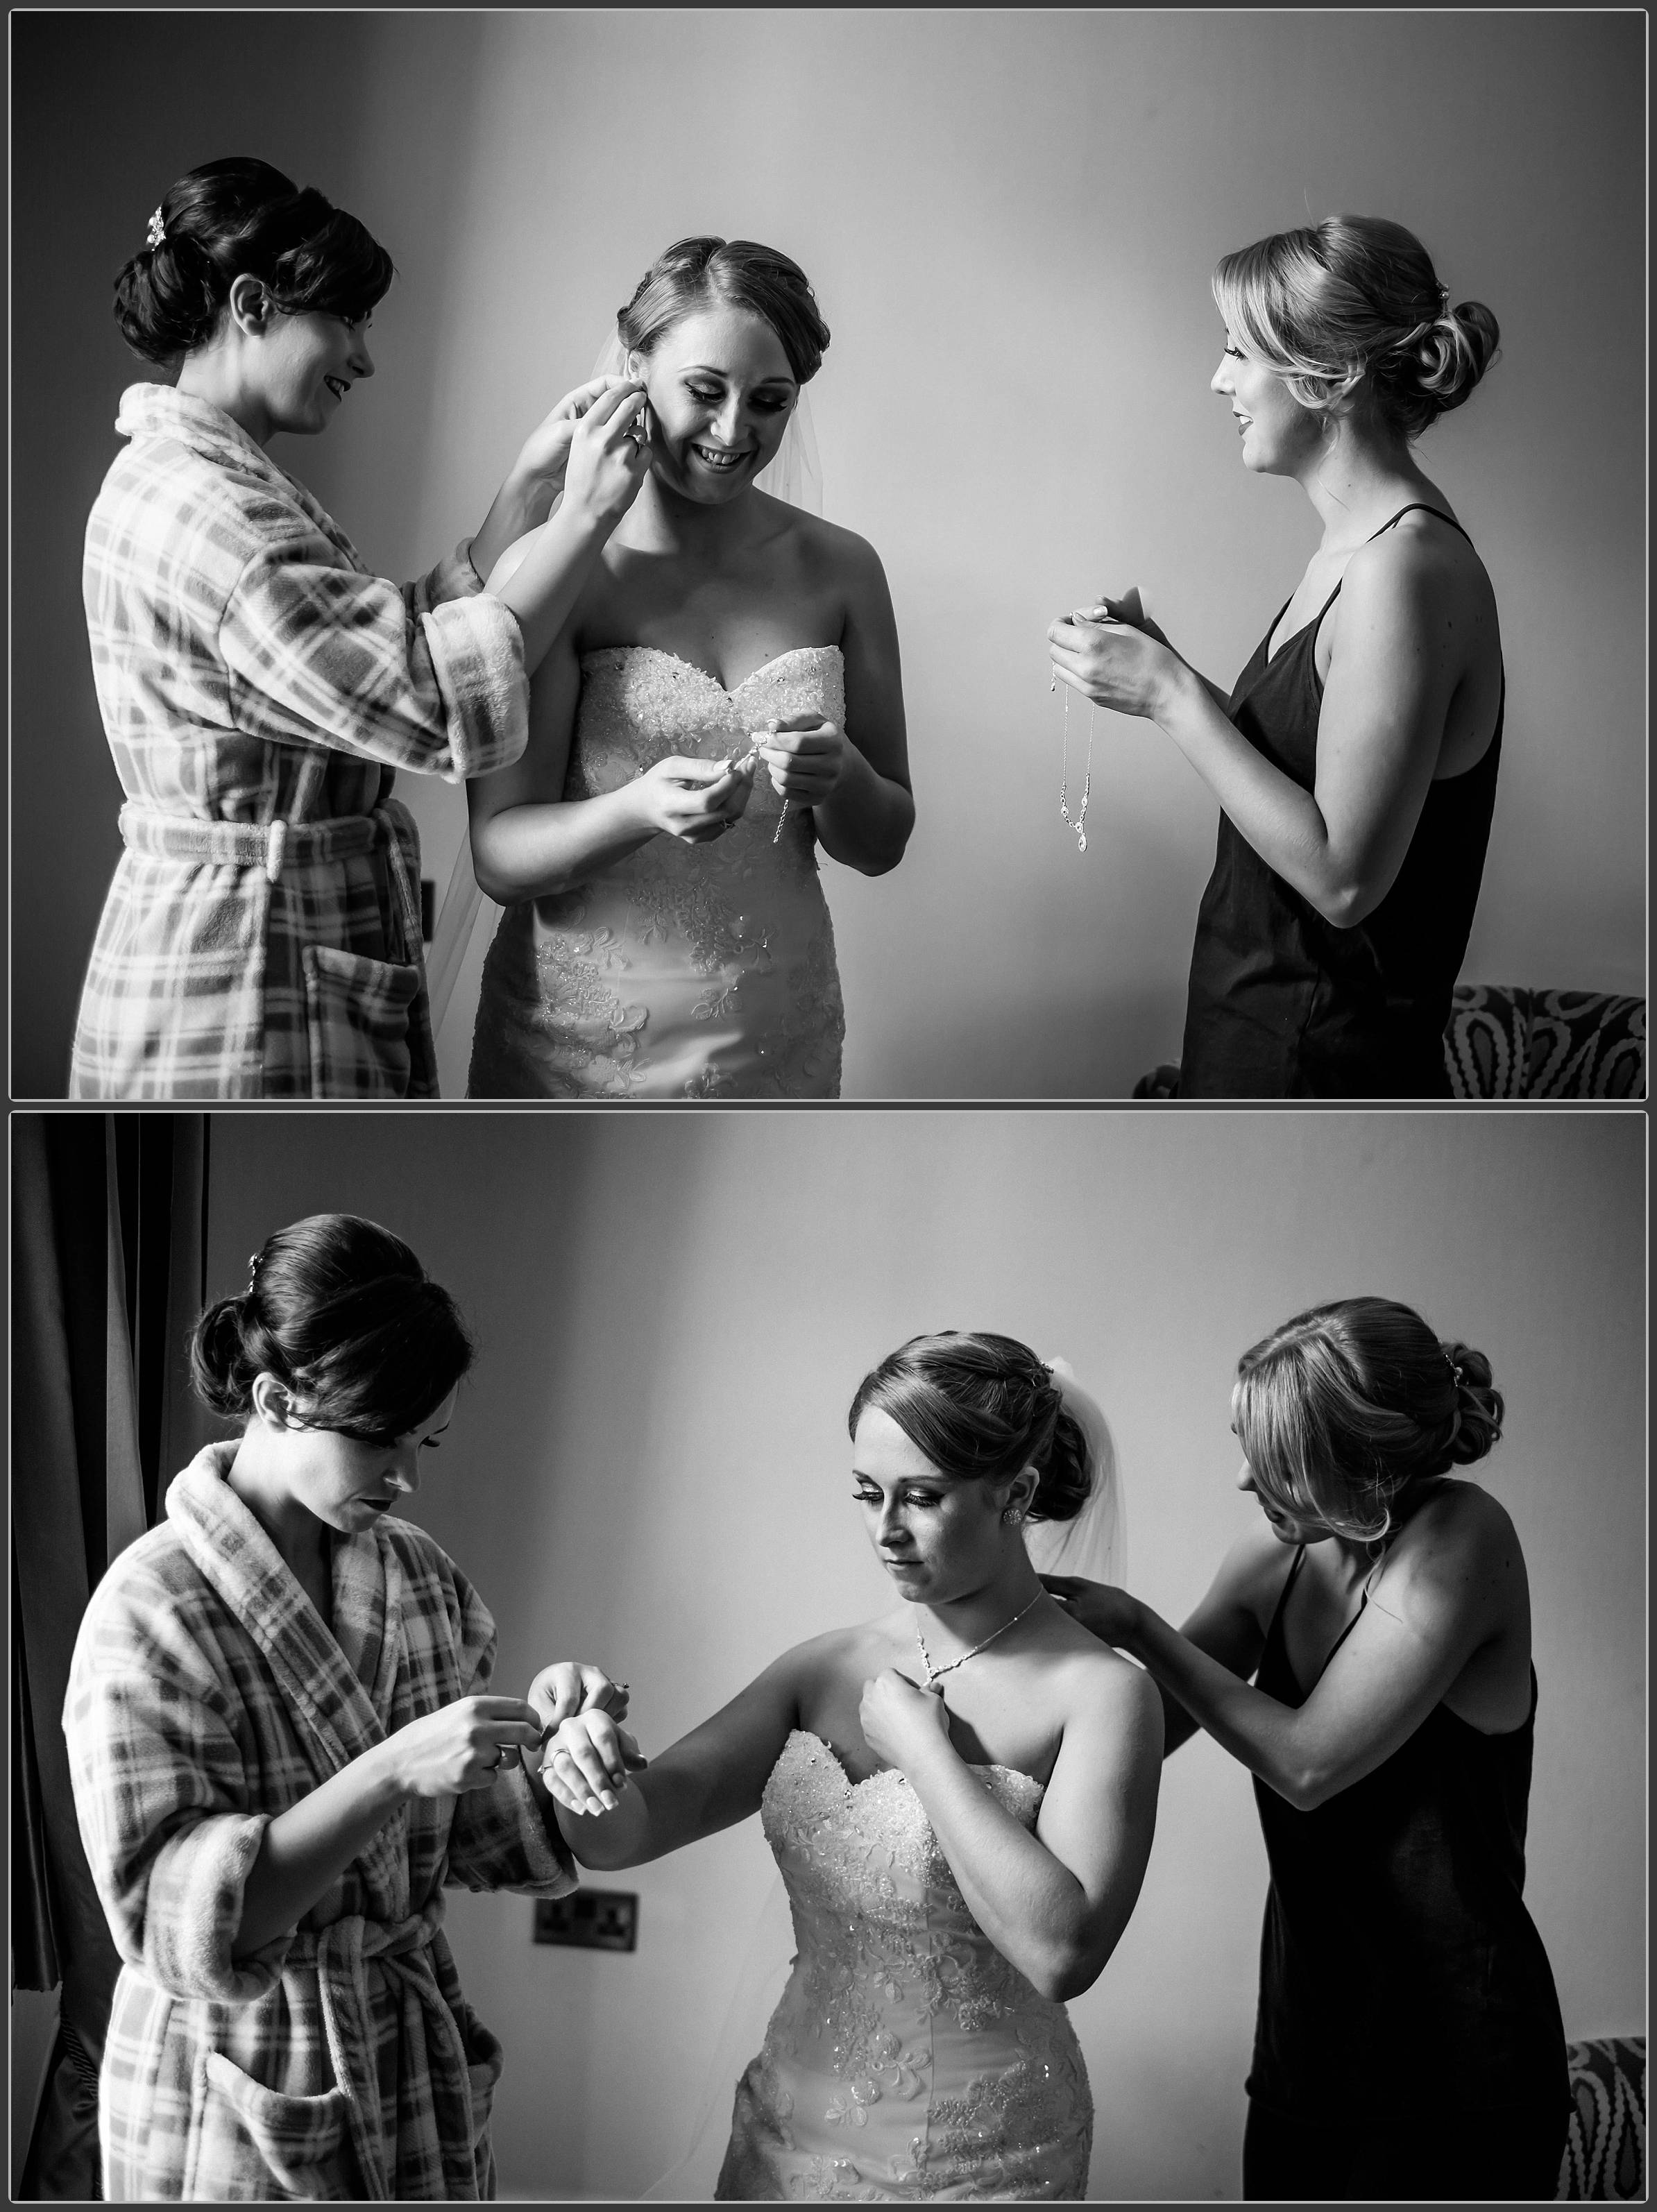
[1351,312]
[1345,1408]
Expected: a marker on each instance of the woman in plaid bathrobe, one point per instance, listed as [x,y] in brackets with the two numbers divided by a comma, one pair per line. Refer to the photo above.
[282,1749]
[259,688]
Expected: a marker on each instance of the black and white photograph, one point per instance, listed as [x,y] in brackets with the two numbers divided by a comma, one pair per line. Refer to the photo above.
[902,1570]
[911,554]
[829,1187]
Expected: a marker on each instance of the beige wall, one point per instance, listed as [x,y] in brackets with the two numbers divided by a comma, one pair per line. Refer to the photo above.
[1009,217]
[650,1469]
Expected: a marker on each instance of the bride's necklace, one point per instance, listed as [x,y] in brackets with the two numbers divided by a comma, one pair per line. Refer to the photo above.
[937,1674]
[1063,773]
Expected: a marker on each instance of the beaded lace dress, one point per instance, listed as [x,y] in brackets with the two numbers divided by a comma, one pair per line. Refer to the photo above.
[681,971]
[907,2060]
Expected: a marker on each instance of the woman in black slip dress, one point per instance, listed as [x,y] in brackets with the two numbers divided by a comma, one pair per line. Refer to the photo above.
[1408,2042]
[1356,760]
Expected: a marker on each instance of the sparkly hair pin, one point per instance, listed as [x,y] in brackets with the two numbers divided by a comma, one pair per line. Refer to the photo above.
[157,229]
[252,1273]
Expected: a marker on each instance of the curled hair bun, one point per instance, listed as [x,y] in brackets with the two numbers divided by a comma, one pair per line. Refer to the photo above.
[345,1317]
[1066,1476]
[1478,1406]
[218,1366]
[241,218]
[1454,353]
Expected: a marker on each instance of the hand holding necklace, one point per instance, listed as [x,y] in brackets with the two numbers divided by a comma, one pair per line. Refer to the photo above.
[900,1722]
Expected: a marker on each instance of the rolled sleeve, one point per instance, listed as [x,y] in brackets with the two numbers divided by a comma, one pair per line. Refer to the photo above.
[478,656]
[192,1910]
[500,1841]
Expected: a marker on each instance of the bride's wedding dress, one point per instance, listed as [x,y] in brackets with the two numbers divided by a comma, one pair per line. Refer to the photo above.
[907,2058]
[683,970]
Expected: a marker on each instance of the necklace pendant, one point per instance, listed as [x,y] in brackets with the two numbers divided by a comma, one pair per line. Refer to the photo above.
[1080,839]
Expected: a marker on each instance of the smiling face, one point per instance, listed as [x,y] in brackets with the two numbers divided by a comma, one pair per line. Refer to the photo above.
[938,1536]
[1279,436]
[345,1482]
[307,364]
[720,393]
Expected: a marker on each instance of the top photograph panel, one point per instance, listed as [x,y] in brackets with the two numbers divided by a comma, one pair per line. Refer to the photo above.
[799,555]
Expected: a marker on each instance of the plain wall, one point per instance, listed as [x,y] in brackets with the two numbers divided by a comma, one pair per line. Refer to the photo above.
[1011,218]
[650,1469]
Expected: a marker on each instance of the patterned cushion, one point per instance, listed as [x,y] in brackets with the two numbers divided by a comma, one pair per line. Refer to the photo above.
[1606,2148]
[1510,1043]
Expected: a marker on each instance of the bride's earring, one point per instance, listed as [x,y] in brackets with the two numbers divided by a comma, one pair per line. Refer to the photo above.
[1014,1514]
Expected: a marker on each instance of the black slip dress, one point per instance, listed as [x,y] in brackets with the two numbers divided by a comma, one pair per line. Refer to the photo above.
[1408,2026]
[1281,1003]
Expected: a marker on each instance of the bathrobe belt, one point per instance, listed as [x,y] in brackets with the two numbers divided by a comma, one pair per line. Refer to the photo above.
[274,846]
[339,1955]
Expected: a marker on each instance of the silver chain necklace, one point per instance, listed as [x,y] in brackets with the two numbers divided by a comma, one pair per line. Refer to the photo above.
[937,1674]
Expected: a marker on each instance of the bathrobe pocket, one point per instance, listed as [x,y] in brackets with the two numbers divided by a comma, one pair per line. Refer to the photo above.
[248,2142]
[357,1013]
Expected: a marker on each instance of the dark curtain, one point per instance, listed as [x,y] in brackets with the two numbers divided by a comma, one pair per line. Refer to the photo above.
[109,1265]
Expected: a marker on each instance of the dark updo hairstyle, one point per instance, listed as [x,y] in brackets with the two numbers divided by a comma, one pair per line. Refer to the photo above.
[341,1312]
[1353,307]
[243,218]
[1343,1409]
[982,1406]
[701,272]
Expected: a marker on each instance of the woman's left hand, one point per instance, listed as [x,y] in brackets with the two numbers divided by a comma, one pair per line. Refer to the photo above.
[544,456]
[806,758]
[1113,664]
[896,1716]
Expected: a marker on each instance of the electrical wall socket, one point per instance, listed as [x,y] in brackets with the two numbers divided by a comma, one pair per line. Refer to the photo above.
[590,1919]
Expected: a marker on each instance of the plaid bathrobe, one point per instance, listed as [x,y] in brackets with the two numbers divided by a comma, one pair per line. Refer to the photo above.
[206,1696]
[261,936]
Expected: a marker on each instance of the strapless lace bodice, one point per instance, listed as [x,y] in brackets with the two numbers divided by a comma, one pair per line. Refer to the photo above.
[907,2058]
[680,970]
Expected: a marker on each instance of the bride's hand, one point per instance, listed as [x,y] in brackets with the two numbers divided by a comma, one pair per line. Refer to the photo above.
[806,756]
[587,1763]
[896,1716]
[1103,1610]
[545,455]
[695,800]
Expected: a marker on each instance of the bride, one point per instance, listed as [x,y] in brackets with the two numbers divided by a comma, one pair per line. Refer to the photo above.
[960,1794]
[725,697]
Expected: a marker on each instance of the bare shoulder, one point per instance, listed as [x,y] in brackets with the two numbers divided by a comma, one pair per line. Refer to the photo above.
[1098,1686]
[830,553]
[1459,1547]
[840,1655]
[1420,561]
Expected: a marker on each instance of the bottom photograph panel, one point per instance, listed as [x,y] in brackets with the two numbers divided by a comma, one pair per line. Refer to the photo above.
[991,1655]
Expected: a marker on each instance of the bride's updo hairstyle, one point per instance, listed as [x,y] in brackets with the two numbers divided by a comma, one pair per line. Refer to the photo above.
[982,1406]
[721,272]
[1343,1409]
[341,1312]
[1353,310]
[243,218]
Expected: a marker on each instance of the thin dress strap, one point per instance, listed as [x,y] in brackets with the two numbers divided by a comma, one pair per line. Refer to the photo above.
[1289,1581]
[1419,506]
[1311,628]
